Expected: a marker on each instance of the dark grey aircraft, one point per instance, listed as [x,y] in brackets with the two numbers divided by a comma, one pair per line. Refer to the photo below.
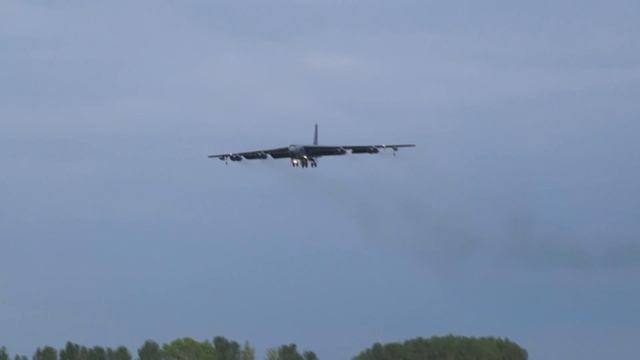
[306,155]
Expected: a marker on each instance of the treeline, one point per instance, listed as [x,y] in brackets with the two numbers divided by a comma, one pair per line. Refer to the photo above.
[435,348]
[446,347]
[181,349]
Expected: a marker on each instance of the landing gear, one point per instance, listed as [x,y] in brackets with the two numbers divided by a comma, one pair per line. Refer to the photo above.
[304,162]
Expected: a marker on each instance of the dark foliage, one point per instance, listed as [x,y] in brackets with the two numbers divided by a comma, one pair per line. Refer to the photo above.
[436,348]
[446,348]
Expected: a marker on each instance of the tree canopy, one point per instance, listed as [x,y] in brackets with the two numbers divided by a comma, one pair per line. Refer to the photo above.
[289,352]
[446,348]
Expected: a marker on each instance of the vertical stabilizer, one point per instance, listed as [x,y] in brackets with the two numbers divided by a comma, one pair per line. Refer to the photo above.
[315,136]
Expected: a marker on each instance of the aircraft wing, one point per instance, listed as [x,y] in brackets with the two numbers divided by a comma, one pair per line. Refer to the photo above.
[316,150]
[373,149]
[252,155]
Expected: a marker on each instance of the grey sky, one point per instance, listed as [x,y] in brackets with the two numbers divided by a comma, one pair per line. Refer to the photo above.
[515,216]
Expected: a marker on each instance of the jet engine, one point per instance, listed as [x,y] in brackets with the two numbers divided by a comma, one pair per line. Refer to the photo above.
[365,150]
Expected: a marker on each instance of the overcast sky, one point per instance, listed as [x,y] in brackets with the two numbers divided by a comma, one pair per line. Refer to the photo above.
[515,216]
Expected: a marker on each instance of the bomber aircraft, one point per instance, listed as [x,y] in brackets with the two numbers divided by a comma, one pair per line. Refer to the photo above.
[307,155]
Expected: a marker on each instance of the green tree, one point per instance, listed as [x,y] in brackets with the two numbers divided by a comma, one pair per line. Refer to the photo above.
[272,354]
[120,353]
[447,347]
[225,349]
[3,353]
[96,353]
[71,351]
[309,355]
[247,352]
[46,353]
[188,349]
[289,352]
[150,350]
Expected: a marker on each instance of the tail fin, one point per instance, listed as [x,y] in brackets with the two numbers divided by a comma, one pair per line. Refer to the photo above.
[315,136]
